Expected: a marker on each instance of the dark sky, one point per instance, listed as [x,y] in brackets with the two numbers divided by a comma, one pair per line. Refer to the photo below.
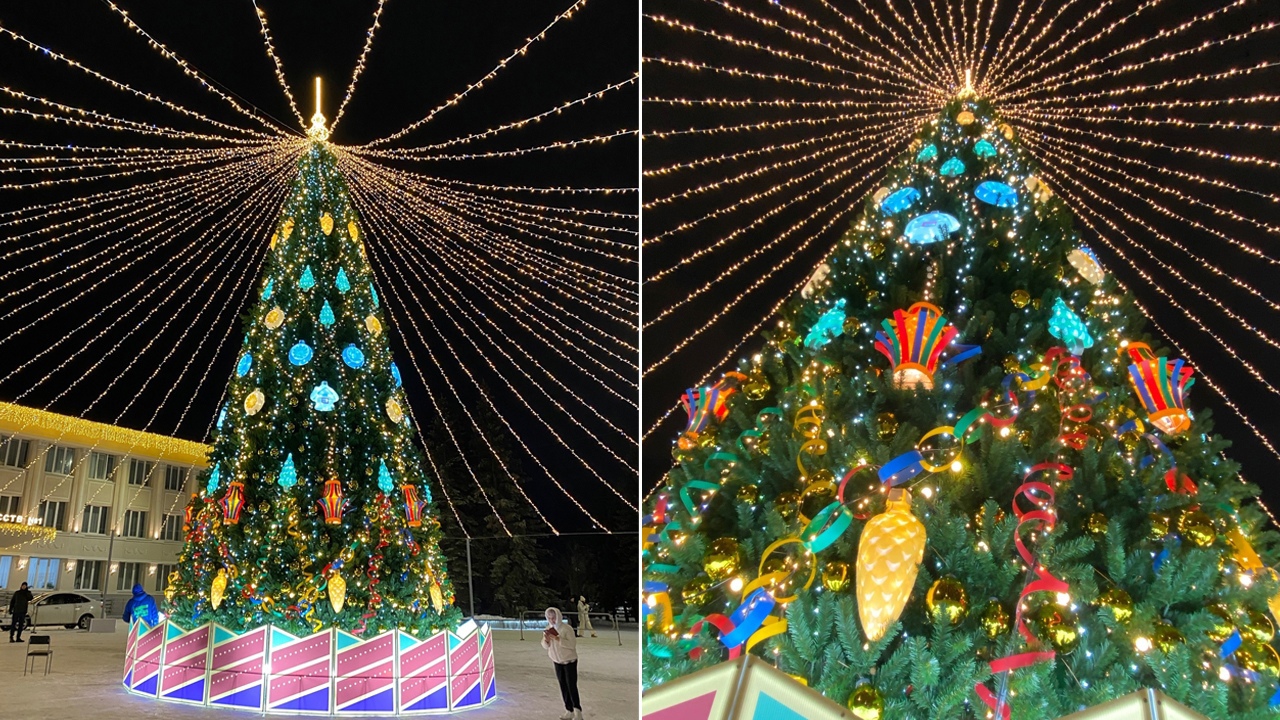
[664,386]
[423,53]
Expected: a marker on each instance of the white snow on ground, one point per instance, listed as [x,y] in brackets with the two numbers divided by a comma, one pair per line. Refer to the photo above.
[84,681]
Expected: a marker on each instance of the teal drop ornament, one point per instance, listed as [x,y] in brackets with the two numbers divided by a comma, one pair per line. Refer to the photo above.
[308,280]
[952,168]
[341,282]
[288,473]
[1065,325]
[266,291]
[927,153]
[326,315]
[395,374]
[829,326]
[222,417]
[374,294]
[385,483]
[214,479]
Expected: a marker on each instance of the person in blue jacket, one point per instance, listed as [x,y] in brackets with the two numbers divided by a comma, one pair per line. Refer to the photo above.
[141,607]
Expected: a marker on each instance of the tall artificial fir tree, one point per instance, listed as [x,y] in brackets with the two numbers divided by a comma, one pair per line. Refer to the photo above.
[315,511]
[959,478]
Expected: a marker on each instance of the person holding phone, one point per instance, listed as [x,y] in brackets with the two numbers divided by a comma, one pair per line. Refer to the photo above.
[562,647]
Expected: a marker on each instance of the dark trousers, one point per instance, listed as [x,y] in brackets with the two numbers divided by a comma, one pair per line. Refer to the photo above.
[567,674]
[19,624]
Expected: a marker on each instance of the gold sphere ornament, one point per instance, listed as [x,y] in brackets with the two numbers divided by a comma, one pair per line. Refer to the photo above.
[1056,625]
[995,619]
[722,560]
[947,602]
[1197,527]
[695,591]
[887,424]
[707,437]
[1159,526]
[872,295]
[851,325]
[866,702]
[787,504]
[749,494]
[1258,657]
[1166,637]
[875,249]
[1096,524]
[1223,622]
[1020,298]
[1258,626]
[835,575]
[1012,364]
[1119,602]
[756,387]
[1003,266]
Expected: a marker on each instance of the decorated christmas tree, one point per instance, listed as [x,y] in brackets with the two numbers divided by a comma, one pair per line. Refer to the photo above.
[959,479]
[315,511]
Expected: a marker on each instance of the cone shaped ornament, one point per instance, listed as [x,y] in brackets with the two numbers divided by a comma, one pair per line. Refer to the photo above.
[889,555]
[302,447]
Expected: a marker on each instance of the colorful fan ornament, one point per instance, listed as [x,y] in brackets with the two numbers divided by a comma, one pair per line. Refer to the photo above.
[930,228]
[913,340]
[1162,385]
[706,403]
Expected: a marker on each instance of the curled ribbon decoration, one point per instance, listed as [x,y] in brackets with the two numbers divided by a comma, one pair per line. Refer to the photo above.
[658,602]
[756,432]
[808,423]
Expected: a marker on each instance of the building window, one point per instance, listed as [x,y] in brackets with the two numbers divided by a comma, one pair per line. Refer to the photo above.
[13,452]
[95,519]
[59,460]
[135,524]
[10,505]
[6,562]
[43,573]
[140,472]
[172,529]
[130,573]
[162,576]
[101,466]
[174,478]
[88,574]
[53,513]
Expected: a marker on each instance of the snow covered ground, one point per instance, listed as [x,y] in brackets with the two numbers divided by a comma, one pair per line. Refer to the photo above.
[85,681]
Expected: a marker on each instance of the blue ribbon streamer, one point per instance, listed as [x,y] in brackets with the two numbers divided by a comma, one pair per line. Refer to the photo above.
[1231,645]
[902,468]
[966,352]
[748,617]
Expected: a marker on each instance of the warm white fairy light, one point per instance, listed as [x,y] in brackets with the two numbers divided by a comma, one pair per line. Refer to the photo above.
[360,61]
[275,61]
[387,195]
[411,154]
[523,49]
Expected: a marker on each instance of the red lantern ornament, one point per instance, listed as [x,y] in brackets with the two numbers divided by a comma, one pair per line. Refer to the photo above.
[233,502]
[333,504]
[412,505]
[1162,385]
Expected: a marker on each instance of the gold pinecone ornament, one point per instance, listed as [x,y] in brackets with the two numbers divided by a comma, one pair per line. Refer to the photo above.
[889,555]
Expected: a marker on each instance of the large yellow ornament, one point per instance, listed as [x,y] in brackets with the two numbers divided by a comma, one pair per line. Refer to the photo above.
[275,318]
[835,575]
[254,402]
[352,230]
[394,411]
[218,590]
[1119,601]
[866,702]
[722,560]
[337,592]
[437,596]
[326,223]
[947,602]
[889,555]
[1197,527]
[373,325]
[287,229]
[965,117]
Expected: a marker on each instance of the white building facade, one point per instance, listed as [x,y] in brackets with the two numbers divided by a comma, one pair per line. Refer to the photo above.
[114,499]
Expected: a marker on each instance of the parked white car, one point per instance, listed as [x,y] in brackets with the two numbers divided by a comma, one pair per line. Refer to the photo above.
[68,609]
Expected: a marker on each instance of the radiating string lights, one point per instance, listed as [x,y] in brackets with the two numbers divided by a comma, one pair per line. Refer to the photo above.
[133,238]
[1155,121]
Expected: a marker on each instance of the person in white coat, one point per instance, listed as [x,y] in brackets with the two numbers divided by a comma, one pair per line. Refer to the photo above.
[584,617]
[562,647]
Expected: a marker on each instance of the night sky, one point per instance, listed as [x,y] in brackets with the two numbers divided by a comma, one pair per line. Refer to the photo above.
[423,54]
[662,388]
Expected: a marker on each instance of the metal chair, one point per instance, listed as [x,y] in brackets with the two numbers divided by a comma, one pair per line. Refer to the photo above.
[37,645]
